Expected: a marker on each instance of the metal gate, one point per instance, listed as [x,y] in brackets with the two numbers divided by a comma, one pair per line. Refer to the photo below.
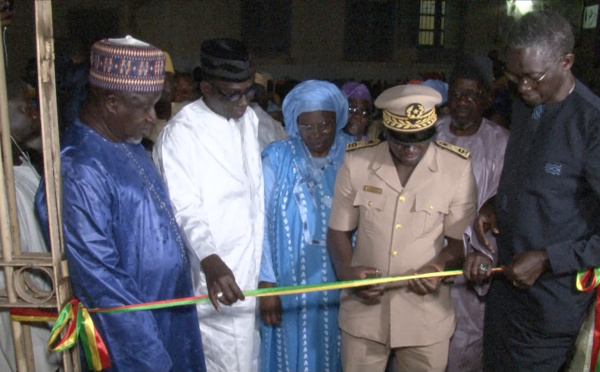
[18,266]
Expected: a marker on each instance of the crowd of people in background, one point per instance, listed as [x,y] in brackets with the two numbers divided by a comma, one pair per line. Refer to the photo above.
[226,179]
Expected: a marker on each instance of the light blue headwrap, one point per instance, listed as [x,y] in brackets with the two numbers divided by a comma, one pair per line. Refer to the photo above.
[314,95]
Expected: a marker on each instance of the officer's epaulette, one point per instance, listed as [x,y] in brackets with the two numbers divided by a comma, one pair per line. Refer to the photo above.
[462,152]
[360,144]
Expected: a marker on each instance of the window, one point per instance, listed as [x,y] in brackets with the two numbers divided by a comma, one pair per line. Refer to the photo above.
[431,23]
[266,26]
[369,30]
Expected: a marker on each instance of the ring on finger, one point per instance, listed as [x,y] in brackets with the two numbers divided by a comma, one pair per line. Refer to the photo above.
[219,295]
[483,267]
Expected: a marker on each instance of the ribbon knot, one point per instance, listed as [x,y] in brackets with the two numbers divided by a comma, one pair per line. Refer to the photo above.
[79,326]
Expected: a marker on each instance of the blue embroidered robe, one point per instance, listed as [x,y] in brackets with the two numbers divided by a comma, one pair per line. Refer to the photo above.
[123,247]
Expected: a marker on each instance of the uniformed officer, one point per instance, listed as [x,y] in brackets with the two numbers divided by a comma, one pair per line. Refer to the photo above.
[403,197]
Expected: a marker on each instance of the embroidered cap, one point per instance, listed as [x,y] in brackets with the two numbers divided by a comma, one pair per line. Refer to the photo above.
[225,59]
[127,64]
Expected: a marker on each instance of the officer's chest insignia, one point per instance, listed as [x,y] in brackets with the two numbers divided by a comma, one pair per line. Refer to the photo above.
[462,152]
[360,144]
[372,189]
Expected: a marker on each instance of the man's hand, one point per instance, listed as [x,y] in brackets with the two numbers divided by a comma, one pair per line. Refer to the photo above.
[486,220]
[526,267]
[370,294]
[452,256]
[220,282]
[339,245]
[270,306]
[425,286]
[477,267]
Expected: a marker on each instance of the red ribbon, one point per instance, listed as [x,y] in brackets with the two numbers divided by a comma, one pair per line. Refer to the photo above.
[79,325]
[587,281]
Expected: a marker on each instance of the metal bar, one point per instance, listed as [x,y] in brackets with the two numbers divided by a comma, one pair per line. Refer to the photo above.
[5,219]
[51,152]
[28,346]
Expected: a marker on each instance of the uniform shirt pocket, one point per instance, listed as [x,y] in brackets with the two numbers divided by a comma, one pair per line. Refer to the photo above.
[429,212]
[371,207]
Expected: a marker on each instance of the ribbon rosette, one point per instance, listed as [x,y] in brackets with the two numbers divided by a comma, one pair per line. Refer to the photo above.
[79,324]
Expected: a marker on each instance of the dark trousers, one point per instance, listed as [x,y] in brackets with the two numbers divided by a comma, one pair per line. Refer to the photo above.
[510,344]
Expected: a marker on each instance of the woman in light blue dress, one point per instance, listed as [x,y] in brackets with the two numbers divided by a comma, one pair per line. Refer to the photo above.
[300,332]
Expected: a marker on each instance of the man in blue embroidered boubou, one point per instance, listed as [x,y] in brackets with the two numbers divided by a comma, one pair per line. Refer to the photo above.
[122,242]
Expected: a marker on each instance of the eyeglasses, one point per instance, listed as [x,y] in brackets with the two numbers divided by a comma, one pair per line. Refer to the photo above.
[526,79]
[470,95]
[237,95]
[325,127]
[353,110]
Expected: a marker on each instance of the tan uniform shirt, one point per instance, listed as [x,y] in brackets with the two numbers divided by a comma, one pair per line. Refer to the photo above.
[400,229]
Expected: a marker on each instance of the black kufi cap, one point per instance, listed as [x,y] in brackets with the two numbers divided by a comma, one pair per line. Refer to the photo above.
[225,59]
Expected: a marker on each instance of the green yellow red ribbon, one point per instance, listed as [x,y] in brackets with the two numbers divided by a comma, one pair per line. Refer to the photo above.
[79,326]
[281,291]
[75,318]
[587,281]
[19,314]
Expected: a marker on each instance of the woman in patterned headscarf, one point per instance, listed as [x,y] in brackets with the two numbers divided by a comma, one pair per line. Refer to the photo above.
[301,332]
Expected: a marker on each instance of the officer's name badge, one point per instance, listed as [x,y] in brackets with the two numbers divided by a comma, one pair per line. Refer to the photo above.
[372,189]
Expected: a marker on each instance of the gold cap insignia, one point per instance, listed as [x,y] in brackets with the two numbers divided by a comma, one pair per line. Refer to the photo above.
[415,111]
[416,119]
